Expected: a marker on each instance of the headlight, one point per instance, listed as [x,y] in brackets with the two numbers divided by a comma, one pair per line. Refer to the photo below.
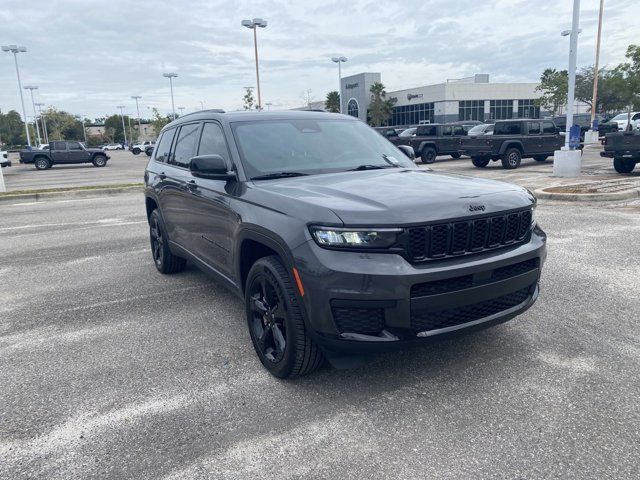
[355,237]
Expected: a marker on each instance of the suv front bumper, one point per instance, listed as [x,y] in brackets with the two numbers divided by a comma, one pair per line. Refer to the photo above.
[359,301]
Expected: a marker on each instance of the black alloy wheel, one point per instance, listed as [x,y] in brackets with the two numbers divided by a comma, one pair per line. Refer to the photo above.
[511,158]
[164,260]
[42,163]
[428,155]
[268,318]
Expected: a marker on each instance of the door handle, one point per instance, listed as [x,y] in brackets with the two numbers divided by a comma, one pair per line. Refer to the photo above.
[162,176]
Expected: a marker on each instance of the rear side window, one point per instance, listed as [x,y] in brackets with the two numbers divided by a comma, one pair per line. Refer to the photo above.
[163,149]
[186,145]
[534,128]
[427,130]
[59,145]
[548,127]
[212,141]
[446,130]
[507,128]
[459,130]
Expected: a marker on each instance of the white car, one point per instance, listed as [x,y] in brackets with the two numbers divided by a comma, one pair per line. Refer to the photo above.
[113,146]
[142,147]
[4,159]
[622,120]
[44,146]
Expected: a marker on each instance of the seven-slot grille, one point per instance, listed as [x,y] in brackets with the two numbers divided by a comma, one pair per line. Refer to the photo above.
[469,236]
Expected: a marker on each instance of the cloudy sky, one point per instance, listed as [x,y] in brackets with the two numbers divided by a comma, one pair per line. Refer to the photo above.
[89,56]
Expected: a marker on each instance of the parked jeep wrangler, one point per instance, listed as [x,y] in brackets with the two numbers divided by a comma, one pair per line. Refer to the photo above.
[624,148]
[513,140]
[64,152]
[319,224]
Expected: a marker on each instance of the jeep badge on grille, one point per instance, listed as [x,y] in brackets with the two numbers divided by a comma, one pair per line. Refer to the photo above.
[476,208]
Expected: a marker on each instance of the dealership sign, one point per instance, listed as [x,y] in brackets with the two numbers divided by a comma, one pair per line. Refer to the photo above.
[349,86]
[411,96]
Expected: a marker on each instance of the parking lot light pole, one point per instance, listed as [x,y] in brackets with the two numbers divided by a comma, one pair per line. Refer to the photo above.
[171,76]
[567,162]
[31,88]
[44,124]
[339,61]
[124,130]
[84,131]
[254,24]
[15,49]
[181,110]
[136,98]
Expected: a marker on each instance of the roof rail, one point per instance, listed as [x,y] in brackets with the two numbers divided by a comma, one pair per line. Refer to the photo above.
[210,110]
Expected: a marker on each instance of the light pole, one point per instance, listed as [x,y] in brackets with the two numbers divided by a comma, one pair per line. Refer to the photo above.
[31,88]
[84,132]
[268,104]
[44,124]
[592,135]
[136,98]
[567,162]
[15,49]
[171,76]
[124,130]
[181,110]
[254,24]
[339,61]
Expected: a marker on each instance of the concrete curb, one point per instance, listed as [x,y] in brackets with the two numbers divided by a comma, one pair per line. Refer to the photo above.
[71,193]
[588,197]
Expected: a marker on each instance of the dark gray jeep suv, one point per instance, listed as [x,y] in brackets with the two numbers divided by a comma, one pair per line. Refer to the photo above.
[335,240]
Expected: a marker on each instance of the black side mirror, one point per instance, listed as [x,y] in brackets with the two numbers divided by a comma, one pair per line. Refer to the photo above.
[210,166]
[408,151]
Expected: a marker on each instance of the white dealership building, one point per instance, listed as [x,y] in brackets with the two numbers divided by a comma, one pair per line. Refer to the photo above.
[472,98]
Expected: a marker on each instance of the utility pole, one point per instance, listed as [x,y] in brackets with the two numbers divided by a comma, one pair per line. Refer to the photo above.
[136,98]
[31,88]
[124,129]
[44,124]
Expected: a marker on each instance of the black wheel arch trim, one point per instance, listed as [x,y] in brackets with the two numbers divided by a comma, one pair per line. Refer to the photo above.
[511,144]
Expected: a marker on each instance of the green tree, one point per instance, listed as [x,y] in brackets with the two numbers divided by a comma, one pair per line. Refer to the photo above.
[113,128]
[159,121]
[248,102]
[625,80]
[554,85]
[12,129]
[62,125]
[332,103]
[380,107]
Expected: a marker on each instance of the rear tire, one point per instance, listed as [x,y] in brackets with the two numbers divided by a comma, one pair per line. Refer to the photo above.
[275,321]
[428,155]
[136,151]
[99,161]
[540,158]
[41,163]
[456,155]
[511,158]
[624,165]
[479,162]
[165,261]
[148,151]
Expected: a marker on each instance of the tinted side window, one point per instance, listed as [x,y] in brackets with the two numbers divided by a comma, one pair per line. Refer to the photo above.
[163,149]
[426,131]
[212,141]
[534,128]
[74,146]
[59,145]
[186,145]
[548,127]
[507,128]
[446,130]
[636,117]
[459,130]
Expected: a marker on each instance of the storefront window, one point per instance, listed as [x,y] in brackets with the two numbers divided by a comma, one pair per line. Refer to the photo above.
[471,110]
[412,114]
[501,109]
[352,108]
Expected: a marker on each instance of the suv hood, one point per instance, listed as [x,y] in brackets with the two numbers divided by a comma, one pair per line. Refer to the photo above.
[394,196]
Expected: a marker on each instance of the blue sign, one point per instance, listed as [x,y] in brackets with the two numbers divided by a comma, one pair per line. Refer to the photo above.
[574,137]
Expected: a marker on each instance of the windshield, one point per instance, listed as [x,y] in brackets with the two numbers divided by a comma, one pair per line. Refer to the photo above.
[313,146]
[408,132]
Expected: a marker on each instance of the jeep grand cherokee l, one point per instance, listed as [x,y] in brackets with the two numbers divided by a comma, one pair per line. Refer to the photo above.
[334,239]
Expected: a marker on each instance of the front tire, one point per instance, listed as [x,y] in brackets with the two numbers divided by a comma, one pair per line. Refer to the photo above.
[164,260]
[148,151]
[428,155]
[99,161]
[42,163]
[275,322]
[511,159]
[479,162]
[624,165]
[136,151]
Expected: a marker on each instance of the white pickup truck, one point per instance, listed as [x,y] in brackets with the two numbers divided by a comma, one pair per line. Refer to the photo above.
[146,146]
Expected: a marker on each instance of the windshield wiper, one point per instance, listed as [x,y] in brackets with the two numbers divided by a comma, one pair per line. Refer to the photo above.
[268,176]
[370,167]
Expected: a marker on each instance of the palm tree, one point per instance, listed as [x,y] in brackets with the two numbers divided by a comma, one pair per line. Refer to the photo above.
[332,103]
[380,108]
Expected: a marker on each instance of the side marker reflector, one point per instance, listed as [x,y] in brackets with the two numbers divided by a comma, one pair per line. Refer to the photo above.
[296,276]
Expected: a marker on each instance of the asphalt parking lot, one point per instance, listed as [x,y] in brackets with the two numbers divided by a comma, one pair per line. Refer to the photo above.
[109,369]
